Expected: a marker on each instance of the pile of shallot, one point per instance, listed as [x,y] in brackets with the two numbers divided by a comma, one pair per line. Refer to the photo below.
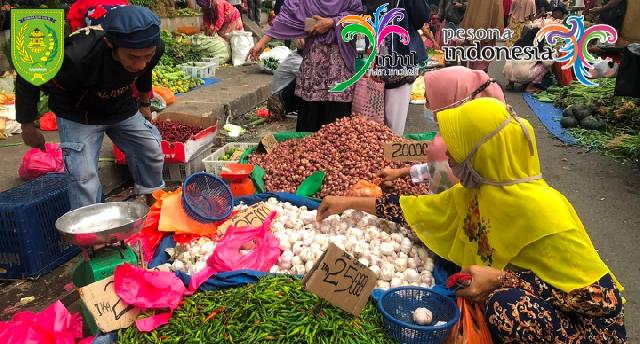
[348,150]
[389,250]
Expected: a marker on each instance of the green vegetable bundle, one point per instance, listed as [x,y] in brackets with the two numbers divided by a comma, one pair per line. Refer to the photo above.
[175,79]
[179,48]
[276,309]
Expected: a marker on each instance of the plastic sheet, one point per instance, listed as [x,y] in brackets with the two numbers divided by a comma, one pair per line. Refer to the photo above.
[174,219]
[36,163]
[53,325]
[263,251]
[149,290]
[48,122]
[149,237]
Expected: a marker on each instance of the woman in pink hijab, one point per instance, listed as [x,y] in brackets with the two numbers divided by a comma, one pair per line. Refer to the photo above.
[444,89]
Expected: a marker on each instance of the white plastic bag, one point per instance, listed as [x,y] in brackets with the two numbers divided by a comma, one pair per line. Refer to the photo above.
[277,55]
[604,69]
[241,44]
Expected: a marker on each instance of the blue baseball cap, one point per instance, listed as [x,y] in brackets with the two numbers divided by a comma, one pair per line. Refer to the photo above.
[132,27]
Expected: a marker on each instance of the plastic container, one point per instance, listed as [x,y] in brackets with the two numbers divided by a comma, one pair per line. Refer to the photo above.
[214,163]
[200,70]
[397,305]
[178,172]
[30,245]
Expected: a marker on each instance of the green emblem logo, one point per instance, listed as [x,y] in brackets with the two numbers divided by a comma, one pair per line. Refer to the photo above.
[37,43]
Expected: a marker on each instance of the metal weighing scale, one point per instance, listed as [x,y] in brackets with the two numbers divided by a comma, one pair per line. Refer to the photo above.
[107,226]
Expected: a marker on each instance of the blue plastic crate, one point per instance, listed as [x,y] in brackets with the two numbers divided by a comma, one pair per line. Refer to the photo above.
[30,245]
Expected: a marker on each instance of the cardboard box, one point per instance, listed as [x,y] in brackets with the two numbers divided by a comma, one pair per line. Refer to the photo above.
[340,279]
[108,310]
[411,151]
[179,152]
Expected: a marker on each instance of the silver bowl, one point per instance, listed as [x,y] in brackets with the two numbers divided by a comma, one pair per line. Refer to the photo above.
[102,223]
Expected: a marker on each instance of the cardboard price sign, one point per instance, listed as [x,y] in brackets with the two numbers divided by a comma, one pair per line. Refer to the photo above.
[341,279]
[107,309]
[268,143]
[253,216]
[412,151]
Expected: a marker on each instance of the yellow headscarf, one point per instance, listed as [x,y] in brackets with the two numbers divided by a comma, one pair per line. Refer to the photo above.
[528,225]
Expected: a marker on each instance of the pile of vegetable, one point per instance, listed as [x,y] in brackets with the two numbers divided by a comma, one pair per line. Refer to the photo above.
[231,153]
[187,12]
[348,150]
[176,132]
[382,246]
[180,48]
[276,309]
[616,144]
[389,250]
[582,115]
[212,46]
[616,119]
[175,79]
[618,113]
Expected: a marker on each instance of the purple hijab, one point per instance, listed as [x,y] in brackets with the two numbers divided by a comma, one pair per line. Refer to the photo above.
[289,24]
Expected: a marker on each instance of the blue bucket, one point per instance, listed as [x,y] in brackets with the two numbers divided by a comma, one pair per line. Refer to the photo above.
[397,306]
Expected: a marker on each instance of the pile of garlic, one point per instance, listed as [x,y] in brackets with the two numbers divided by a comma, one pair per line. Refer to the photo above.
[389,250]
[191,257]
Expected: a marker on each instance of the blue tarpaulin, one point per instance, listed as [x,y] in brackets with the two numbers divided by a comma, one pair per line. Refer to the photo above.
[550,116]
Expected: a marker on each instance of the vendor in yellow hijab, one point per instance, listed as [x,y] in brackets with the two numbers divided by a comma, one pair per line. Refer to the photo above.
[531,260]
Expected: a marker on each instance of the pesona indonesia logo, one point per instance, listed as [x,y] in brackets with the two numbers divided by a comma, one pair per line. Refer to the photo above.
[575,40]
[375,29]
[571,38]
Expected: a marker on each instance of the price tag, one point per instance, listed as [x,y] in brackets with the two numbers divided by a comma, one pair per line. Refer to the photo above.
[412,151]
[253,216]
[268,143]
[107,309]
[340,279]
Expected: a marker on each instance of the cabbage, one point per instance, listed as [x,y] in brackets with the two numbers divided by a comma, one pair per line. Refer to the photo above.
[213,46]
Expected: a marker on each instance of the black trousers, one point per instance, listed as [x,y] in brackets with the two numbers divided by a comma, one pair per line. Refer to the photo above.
[316,114]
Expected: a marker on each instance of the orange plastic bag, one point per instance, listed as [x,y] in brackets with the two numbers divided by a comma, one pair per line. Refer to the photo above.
[166,94]
[472,327]
[174,219]
[364,188]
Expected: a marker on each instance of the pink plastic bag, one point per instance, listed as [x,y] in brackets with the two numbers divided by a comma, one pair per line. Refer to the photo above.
[368,99]
[53,325]
[149,290]
[36,163]
[262,246]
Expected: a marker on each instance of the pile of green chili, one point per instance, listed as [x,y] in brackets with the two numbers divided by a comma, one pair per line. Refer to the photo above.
[276,309]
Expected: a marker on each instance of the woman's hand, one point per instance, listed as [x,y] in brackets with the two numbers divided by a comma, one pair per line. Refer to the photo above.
[257,49]
[332,205]
[322,25]
[484,281]
[391,174]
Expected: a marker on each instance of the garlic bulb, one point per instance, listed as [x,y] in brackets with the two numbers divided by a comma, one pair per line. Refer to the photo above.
[285,245]
[386,274]
[397,237]
[299,269]
[274,269]
[386,248]
[296,261]
[383,285]
[411,263]
[396,282]
[308,266]
[364,261]
[411,275]
[406,245]
[422,316]
[375,269]
[401,264]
